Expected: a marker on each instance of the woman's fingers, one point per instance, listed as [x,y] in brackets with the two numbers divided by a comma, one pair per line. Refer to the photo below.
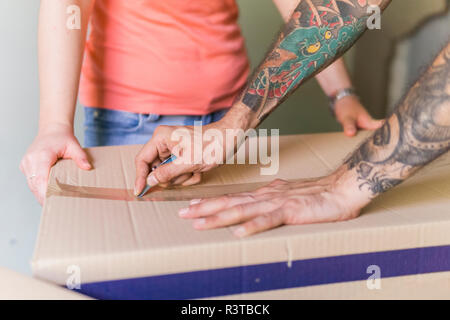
[75,152]
[365,121]
[349,126]
[36,173]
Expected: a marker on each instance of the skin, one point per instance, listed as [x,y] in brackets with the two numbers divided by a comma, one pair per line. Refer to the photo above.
[349,111]
[416,133]
[311,40]
[60,60]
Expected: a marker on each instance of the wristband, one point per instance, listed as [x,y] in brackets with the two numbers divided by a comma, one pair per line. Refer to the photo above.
[340,95]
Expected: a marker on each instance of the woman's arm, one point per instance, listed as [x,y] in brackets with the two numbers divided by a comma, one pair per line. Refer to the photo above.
[60,58]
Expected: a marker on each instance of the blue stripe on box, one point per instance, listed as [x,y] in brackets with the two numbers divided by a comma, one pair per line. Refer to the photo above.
[273,276]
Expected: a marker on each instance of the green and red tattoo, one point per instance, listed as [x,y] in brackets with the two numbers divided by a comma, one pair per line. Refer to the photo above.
[318,33]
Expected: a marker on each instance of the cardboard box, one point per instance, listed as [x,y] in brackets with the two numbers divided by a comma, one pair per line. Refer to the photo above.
[15,286]
[128,249]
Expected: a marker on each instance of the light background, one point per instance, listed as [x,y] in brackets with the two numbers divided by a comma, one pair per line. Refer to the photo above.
[306,111]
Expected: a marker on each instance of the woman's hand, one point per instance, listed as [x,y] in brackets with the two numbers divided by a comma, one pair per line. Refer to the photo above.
[52,143]
[353,116]
[279,203]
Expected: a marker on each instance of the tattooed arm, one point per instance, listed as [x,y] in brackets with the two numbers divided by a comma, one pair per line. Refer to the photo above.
[318,33]
[349,111]
[417,133]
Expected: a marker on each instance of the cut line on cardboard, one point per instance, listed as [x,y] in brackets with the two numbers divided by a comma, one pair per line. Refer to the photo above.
[59,189]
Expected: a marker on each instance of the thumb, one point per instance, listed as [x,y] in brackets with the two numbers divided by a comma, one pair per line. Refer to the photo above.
[349,126]
[166,173]
[77,154]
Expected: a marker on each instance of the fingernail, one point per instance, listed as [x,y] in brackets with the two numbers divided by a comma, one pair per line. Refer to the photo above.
[152,181]
[86,163]
[136,192]
[183,211]
[199,222]
[240,232]
[195,201]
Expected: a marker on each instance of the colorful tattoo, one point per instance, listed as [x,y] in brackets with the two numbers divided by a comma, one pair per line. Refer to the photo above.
[417,133]
[318,32]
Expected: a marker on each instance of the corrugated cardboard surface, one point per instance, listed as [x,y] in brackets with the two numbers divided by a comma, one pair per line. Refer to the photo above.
[14,286]
[111,239]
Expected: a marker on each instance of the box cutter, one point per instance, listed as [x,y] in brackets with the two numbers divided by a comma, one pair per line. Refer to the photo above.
[147,187]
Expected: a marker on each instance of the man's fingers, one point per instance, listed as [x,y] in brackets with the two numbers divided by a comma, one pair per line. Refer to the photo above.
[236,214]
[259,224]
[181,179]
[167,172]
[148,156]
[142,171]
[198,209]
[155,164]
[196,178]
[144,159]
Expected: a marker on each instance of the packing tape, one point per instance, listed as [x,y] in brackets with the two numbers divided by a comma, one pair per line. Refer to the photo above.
[58,189]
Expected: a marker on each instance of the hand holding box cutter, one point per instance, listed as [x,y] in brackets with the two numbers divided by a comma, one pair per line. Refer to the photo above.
[147,187]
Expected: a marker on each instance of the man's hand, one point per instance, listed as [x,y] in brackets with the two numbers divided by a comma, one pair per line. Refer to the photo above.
[191,161]
[414,135]
[52,143]
[352,115]
[156,150]
[280,202]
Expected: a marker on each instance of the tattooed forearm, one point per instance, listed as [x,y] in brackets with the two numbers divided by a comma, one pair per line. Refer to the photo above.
[318,33]
[417,132]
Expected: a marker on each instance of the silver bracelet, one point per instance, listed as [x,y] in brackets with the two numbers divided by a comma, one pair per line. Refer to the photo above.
[340,95]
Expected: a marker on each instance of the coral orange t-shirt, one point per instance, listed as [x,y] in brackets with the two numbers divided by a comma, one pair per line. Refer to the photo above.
[183,57]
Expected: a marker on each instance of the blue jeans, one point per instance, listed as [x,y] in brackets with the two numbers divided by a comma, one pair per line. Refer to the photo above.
[105,127]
